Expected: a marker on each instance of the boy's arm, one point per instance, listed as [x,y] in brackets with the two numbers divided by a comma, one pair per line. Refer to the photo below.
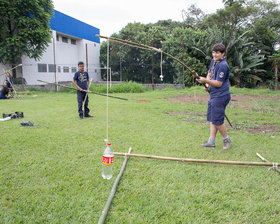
[208,81]
[78,87]
[88,84]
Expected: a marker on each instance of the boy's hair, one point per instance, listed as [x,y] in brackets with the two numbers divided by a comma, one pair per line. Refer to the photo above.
[80,63]
[5,90]
[219,47]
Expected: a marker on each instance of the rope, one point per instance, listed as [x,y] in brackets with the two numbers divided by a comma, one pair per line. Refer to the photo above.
[161,75]
[274,166]
[108,46]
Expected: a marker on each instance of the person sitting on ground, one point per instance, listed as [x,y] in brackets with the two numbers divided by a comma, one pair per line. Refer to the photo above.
[4,93]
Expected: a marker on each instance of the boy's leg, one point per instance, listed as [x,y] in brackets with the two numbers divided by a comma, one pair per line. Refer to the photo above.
[213,130]
[220,107]
[80,103]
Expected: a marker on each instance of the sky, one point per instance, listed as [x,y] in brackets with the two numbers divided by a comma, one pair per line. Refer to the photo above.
[110,16]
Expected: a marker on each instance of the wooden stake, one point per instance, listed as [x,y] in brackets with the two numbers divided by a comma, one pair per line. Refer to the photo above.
[113,191]
[196,160]
[265,160]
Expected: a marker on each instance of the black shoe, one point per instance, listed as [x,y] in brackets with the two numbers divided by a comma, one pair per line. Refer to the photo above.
[81,117]
[88,115]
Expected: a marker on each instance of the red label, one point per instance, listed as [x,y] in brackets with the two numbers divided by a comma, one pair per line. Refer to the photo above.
[107,160]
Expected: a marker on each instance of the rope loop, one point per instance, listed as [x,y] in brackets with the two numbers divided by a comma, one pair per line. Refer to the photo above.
[274,166]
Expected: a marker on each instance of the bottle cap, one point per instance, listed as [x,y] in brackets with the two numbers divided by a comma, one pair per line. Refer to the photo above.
[108,143]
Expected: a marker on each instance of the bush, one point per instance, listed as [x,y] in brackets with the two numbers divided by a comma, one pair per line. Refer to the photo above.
[19,80]
[126,87]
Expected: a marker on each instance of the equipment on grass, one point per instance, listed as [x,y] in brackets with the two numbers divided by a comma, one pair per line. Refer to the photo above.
[113,191]
[199,160]
[26,123]
[14,115]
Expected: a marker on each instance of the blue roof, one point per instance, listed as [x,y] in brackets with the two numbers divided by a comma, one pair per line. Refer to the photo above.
[71,26]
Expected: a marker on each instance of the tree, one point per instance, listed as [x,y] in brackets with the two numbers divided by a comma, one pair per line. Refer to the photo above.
[192,16]
[275,59]
[24,29]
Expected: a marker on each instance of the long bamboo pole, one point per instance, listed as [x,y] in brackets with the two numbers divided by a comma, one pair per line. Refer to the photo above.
[196,160]
[69,87]
[143,46]
[265,160]
[113,191]
[10,69]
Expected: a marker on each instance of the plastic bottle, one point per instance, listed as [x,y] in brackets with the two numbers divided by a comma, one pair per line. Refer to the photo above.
[107,163]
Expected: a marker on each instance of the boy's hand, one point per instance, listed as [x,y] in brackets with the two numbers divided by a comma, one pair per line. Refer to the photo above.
[201,79]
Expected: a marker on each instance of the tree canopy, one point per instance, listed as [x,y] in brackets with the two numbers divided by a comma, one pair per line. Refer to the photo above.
[24,29]
[248,28]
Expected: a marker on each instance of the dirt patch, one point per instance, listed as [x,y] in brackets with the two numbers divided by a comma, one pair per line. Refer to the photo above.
[143,101]
[189,117]
[250,127]
[190,99]
[264,129]
[246,102]
[205,98]
[181,113]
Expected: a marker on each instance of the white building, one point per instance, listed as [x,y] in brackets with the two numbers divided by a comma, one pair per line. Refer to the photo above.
[72,41]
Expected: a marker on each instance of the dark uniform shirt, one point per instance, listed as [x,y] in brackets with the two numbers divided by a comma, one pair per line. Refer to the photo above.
[81,79]
[220,73]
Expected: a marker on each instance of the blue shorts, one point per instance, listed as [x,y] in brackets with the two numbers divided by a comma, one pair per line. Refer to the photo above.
[216,109]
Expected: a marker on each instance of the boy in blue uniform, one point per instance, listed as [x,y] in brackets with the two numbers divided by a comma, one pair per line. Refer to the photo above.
[217,83]
[81,81]
[4,93]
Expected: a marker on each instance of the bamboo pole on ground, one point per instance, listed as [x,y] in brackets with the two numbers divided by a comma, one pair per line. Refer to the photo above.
[265,160]
[197,160]
[113,191]
[69,87]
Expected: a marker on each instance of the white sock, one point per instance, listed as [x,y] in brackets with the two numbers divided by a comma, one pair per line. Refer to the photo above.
[225,138]
[211,140]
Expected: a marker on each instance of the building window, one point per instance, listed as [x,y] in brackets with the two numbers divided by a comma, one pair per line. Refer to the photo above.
[73,69]
[51,68]
[65,69]
[42,67]
[64,40]
[73,41]
[58,69]
[57,37]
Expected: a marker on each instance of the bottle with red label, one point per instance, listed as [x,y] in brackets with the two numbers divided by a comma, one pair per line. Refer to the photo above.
[107,163]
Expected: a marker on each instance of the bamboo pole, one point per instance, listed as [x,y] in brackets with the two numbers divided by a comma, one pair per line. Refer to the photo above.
[69,87]
[113,191]
[11,69]
[143,46]
[265,160]
[196,160]
[86,94]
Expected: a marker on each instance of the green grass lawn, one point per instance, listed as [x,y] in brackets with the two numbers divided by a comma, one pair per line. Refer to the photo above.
[51,173]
